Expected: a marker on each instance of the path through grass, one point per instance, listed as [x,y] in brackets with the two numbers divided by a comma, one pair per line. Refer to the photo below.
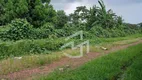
[108,67]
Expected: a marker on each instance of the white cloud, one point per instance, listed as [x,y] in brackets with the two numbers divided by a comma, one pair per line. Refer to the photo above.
[128,9]
[131,13]
[70,7]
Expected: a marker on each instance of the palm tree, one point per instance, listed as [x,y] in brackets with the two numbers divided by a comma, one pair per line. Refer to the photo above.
[105,17]
[92,20]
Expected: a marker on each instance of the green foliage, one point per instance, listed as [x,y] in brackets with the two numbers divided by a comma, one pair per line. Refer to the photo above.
[43,22]
[79,16]
[122,31]
[62,19]
[46,31]
[36,12]
[36,19]
[27,47]
[69,29]
[19,29]
[134,71]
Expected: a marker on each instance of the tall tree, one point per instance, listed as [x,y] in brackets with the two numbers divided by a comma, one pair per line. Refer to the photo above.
[40,12]
[37,12]
[2,11]
[79,16]
[82,13]
[92,19]
[105,18]
[62,19]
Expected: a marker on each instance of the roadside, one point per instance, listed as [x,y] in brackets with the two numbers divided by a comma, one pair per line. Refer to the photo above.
[73,63]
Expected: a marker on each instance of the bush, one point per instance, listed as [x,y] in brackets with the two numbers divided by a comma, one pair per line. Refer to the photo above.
[97,31]
[19,29]
[69,29]
[48,30]
[113,32]
[27,47]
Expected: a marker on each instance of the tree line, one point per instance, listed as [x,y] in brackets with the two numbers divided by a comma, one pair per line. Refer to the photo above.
[37,19]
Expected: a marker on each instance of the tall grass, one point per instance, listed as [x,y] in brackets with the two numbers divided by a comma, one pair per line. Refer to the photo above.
[27,47]
[36,60]
[31,61]
[134,72]
[45,46]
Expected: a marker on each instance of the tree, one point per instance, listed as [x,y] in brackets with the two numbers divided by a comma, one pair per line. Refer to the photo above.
[62,19]
[82,13]
[79,17]
[37,12]
[105,17]
[119,20]
[140,24]
[40,12]
[1,12]
[92,19]
[101,16]
[12,9]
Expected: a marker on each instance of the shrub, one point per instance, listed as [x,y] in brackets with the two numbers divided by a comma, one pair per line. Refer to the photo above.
[121,31]
[27,47]
[48,30]
[19,29]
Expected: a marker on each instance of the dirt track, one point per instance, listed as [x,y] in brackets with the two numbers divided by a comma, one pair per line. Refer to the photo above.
[28,73]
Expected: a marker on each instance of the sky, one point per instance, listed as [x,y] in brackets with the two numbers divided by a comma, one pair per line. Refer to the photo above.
[130,10]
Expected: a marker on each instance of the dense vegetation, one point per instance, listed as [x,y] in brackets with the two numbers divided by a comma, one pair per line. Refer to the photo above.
[28,60]
[33,26]
[124,64]
[134,71]
[31,29]
[36,19]
[28,47]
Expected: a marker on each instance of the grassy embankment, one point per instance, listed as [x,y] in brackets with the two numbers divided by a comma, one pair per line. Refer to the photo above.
[11,64]
[121,65]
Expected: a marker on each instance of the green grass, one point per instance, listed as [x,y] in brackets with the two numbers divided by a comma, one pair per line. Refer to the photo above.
[134,72]
[36,60]
[45,46]
[108,67]
[30,60]
[120,38]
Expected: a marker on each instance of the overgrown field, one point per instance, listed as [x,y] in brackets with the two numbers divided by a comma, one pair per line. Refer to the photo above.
[11,64]
[124,64]
[44,32]
[46,46]
[32,33]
